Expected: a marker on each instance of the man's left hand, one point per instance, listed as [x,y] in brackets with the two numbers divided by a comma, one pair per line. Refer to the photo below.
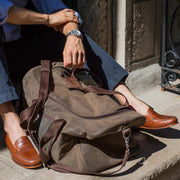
[74,54]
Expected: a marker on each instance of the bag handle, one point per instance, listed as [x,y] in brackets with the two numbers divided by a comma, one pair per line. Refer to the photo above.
[51,135]
[73,82]
[76,70]
[98,90]
[93,89]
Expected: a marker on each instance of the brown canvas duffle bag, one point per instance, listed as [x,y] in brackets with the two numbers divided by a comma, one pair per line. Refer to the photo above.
[77,126]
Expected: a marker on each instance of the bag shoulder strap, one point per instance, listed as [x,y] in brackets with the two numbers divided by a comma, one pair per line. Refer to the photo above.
[29,114]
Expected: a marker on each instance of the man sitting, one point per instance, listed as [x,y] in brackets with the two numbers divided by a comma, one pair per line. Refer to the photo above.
[77,50]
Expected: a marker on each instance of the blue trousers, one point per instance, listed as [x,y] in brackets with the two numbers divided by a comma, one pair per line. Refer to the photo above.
[7,90]
[32,50]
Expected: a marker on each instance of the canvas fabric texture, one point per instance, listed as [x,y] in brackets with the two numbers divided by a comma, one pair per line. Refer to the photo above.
[77,126]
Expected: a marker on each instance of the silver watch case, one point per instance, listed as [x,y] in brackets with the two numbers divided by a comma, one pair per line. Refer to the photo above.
[76,33]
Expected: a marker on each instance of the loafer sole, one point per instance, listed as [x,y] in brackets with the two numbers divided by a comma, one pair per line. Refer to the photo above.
[29,167]
[163,127]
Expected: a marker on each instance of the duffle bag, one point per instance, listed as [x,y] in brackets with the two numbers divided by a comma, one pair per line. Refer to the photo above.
[78,127]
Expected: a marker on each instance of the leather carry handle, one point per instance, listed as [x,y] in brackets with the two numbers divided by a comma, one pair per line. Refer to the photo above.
[51,135]
[73,82]
[90,88]
[94,89]
[76,70]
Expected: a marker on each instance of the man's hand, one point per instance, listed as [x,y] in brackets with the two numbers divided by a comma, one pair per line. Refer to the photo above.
[63,21]
[19,15]
[62,17]
[74,54]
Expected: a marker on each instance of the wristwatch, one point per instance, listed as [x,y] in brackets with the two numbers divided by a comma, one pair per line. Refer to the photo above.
[76,33]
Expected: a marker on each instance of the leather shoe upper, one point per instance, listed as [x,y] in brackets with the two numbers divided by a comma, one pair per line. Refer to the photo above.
[23,152]
[158,121]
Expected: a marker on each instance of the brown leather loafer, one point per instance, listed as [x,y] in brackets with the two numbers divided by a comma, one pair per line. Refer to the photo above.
[158,121]
[23,153]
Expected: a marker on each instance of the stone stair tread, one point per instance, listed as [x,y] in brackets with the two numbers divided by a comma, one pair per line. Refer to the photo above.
[159,148]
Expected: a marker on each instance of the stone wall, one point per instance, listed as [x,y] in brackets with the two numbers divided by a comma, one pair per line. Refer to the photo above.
[95,15]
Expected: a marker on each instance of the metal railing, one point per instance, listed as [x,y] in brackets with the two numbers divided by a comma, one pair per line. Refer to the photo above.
[170,58]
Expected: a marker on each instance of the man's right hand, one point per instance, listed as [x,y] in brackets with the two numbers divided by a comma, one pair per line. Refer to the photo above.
[62,17]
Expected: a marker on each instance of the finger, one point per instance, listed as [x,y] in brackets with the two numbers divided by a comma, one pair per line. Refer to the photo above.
[65,59]
[82,60]
[75,58]
[69,10]
[71,16]
[76,18]
[72,19]
[69,59]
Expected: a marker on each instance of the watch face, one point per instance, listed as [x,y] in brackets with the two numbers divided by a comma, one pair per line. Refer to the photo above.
[78,32]
[75,32]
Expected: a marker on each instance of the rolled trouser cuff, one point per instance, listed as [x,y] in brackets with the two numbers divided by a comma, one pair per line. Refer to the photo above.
[102,64]
[9,96]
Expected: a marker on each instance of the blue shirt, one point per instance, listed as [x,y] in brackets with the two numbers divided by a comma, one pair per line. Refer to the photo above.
[12,32]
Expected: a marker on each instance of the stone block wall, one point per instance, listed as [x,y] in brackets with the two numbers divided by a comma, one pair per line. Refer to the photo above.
[96,21]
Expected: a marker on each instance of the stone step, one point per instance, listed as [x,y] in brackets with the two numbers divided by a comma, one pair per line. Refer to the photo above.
[159,157]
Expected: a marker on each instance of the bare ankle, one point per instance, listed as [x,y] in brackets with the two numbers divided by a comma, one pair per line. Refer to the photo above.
[8,114]
[12,126]
[11,121]
[140,106]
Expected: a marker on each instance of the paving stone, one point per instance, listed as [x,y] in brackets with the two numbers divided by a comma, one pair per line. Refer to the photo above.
[10,166]
[135,167]
[50,174]
[159,100]
[159,157]
[8,173]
